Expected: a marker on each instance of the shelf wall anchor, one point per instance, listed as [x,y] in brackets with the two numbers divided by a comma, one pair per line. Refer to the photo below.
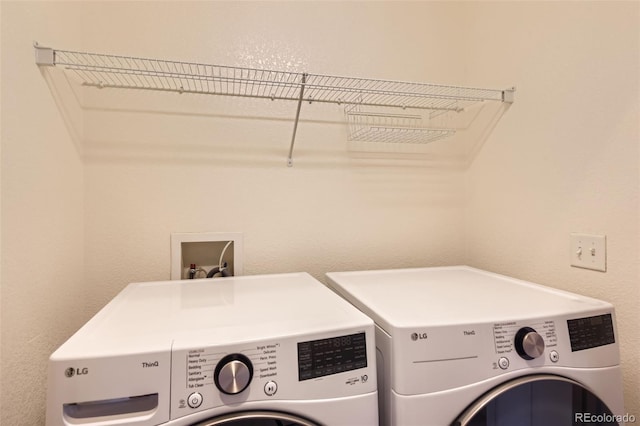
[44,55]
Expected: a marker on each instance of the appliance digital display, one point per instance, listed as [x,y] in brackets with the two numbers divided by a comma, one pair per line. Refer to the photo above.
[590,332]
[317,358]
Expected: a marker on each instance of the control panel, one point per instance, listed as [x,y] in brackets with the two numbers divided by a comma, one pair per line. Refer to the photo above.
[591,332]
[528,342]
[323,357]
[448,354]
[318,367]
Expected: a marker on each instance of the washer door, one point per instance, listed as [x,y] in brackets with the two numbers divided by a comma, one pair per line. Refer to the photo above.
[537,400]
[257,418]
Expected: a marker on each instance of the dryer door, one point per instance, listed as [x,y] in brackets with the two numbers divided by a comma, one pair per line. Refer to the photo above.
[537,400]
[257,418]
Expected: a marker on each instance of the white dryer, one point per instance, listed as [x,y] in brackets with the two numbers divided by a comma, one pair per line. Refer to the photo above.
[461,346]
[255,350]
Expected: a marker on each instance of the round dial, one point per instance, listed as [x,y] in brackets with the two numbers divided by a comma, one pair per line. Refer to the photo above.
[233,374]
[529,344]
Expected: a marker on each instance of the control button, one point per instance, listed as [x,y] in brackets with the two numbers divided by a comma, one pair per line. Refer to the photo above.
[270,388]
[503,363]
[529,344]
[554,356]
[233,374]
[194,400]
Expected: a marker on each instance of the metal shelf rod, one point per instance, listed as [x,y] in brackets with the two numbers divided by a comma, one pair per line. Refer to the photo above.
[295,123]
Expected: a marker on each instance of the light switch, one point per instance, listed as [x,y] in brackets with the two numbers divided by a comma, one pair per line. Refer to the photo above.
[589,251]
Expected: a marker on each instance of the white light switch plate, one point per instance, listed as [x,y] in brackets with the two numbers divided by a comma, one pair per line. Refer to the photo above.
[589,251]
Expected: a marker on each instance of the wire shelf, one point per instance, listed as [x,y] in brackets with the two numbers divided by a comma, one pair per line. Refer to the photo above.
[371,126]
[125,72]
[112,71]
[154,74]
[387,93]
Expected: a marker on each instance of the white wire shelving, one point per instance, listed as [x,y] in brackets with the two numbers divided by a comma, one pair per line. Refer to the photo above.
[124,72]
[366,125]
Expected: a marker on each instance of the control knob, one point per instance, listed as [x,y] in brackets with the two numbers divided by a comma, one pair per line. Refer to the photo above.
[233,374]
[529,344]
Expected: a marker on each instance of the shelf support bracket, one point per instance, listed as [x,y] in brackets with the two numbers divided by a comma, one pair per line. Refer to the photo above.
[44,55]
[295,123]
[508,95]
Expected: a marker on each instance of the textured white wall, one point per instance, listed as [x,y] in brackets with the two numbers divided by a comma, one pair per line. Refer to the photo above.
[565,156]
[42,274]
[1,104]
[169,163]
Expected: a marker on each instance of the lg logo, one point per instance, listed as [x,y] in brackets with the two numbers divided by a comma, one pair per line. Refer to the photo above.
[418,336]
[70,372]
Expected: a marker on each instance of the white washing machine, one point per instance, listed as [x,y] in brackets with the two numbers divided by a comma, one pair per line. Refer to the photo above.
[269,350]
[461,346]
